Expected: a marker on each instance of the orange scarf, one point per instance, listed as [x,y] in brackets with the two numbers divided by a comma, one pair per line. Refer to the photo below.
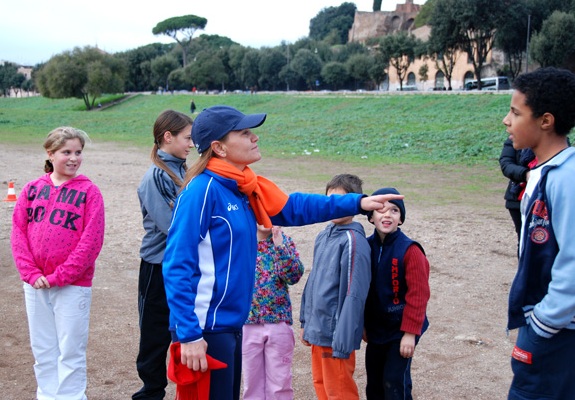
[265,198]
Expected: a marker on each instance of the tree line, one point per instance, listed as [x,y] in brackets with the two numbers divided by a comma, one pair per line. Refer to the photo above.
[323,60]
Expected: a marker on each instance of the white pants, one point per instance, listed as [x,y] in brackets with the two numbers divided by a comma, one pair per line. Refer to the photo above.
[59,319]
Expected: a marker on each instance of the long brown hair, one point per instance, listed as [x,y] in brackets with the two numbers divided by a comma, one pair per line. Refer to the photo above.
[173,122]
[58,138]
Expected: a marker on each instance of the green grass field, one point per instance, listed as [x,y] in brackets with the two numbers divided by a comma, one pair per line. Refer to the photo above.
[367,129]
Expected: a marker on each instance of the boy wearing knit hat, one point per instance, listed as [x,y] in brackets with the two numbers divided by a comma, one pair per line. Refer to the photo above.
[395,310]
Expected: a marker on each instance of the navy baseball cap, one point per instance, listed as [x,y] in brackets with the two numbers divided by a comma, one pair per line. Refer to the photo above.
[216,122]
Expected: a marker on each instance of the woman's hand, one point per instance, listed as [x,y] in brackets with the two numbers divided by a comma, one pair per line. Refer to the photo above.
[377,202]
[194,355]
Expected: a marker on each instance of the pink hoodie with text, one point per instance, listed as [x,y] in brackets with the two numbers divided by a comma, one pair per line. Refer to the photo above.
[58,232]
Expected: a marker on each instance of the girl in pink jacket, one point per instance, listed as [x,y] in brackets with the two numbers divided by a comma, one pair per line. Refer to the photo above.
[57,234]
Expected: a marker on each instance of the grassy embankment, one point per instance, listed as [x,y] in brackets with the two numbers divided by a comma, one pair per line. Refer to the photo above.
[412,129]
[458,136]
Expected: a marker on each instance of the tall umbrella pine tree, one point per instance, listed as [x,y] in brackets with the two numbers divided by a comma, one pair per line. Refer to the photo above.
[181,29]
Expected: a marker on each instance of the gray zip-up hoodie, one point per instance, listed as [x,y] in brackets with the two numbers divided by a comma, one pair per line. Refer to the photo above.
[157,193]
[333,300]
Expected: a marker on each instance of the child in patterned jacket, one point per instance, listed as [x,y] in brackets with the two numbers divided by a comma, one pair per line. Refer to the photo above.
[268,339]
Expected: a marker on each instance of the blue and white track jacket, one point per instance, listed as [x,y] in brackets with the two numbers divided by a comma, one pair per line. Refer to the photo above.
[210,258]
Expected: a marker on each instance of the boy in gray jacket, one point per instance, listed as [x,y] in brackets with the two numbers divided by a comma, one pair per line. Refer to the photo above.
[333,300]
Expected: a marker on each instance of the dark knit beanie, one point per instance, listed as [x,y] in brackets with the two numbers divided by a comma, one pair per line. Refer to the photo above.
[398,203]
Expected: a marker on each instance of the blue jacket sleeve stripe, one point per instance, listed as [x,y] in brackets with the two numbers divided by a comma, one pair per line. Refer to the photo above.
[227,271]
[207,280]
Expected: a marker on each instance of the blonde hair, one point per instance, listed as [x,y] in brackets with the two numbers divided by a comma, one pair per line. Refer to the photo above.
[58,138]
[198,166]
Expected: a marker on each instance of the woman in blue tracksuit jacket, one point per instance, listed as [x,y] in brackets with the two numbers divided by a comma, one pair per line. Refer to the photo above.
[209,264]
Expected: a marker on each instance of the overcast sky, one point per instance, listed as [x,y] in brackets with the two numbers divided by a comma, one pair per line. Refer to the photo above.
[32,31]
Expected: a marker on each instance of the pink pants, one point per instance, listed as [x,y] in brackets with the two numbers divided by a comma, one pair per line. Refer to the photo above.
[267,354]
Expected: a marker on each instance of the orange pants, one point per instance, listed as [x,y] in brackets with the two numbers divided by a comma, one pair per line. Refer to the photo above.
[333,377]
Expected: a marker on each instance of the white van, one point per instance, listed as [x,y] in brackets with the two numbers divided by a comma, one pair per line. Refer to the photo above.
[492,83]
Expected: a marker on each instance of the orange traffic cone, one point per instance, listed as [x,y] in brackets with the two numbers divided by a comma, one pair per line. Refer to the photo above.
[11,192]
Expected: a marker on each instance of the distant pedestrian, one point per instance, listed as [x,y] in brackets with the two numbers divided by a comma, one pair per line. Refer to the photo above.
[192,107]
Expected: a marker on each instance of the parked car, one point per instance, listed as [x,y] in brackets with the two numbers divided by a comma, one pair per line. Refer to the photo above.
[408,88]
[492,83]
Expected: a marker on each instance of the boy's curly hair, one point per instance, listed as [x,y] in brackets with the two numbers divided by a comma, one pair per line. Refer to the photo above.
[550,90]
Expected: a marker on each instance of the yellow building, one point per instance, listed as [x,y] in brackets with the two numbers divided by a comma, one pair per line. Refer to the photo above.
[368,25]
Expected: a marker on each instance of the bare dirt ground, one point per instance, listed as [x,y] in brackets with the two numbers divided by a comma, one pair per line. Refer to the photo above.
[470,243]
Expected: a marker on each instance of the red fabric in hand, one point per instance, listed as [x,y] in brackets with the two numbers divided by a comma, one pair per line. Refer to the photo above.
[190,385]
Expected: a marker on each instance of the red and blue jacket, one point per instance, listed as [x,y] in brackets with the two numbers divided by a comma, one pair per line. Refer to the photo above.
[399,289]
